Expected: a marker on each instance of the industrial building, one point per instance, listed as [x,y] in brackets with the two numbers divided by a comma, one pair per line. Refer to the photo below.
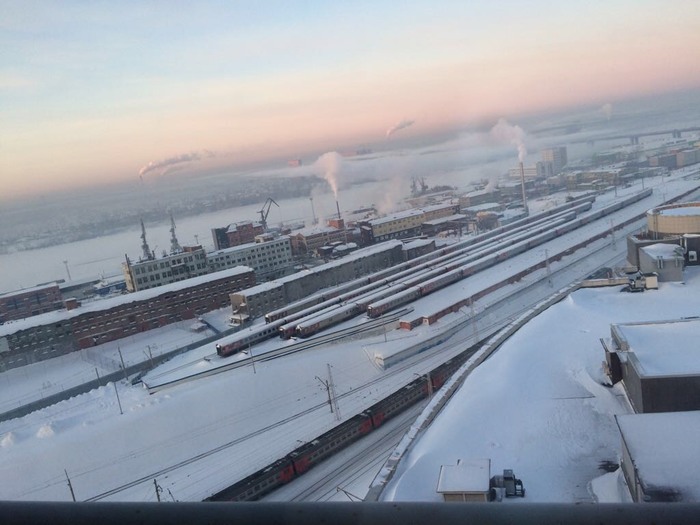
[404,224]
[677,225]
[269,257]
[554,160]
[674,220]
[308,240]
[256,301]
[666,260]
[658,364]
[30,301]
[536,171]
[60,332]
[475,198]
[660,455]
[236,234]
[153,272]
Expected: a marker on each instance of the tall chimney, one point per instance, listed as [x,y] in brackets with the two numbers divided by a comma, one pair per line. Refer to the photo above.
[522,183]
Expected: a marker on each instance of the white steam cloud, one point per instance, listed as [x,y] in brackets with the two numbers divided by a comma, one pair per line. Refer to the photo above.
[331,163]
[401,125]
[506,132]
[173,161]
[607,110]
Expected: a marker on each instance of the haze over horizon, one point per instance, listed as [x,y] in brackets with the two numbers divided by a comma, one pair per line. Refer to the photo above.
[101,92]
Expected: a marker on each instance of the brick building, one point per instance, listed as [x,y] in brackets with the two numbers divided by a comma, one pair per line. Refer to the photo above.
[30,301]
[236,234]
[56,333]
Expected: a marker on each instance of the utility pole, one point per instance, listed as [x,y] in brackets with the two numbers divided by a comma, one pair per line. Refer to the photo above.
[158,490]
[70,486]
[326,385]
[334,397]
[118,400]
[473,312]
[330,391]
[67,270]
[612,233]
[252,359]
[121,357]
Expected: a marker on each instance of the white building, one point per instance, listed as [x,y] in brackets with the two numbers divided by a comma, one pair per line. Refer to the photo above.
[267,256]
[152,272]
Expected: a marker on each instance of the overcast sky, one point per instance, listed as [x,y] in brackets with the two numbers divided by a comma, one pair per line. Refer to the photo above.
[95,91]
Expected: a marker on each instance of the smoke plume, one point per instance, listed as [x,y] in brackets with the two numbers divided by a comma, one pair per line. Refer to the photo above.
[506,132]
[401,125]
[331,163]
[607,110]
[173,161]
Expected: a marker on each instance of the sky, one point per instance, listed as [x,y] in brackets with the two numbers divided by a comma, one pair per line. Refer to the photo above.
[96,92]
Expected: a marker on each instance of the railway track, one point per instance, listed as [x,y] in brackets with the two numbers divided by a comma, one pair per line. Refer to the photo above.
[226,364]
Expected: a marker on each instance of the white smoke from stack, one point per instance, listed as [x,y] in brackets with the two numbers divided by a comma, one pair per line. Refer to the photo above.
[331,163]
[607,110]
[173,161]
[400,125]
[506,132]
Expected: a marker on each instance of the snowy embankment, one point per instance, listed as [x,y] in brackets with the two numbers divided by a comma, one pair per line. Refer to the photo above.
[540,405]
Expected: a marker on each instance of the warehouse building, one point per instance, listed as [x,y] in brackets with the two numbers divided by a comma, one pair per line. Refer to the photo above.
[60,332]
[660,455]
[258,300]
[30,301]
[658,364]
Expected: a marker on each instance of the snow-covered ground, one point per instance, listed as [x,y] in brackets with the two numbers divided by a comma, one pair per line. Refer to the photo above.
[539,405]
[197,437]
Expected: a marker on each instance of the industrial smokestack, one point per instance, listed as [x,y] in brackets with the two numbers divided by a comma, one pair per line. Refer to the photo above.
[313,212]
[522,183]
[337,207]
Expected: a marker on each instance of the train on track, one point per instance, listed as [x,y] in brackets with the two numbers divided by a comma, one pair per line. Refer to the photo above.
[310,454]
[387,289]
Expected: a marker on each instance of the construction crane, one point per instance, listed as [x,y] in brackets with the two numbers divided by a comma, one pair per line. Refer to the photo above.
[265,211]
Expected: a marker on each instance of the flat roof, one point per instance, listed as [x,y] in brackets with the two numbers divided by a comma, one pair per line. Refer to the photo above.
[689,209]
[450,218]
[395,217]
[663,250]
[470,475]
[57,316]
[664,348]
[664,449]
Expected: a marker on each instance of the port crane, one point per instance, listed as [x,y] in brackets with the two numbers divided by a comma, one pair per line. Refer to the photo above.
[265,211]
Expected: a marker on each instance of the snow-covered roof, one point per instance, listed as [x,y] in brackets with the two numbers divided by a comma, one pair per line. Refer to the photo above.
[664,348]
[471,475]
[234,226]
[478,193]
[443,220]
[112,302]
[487,206]
[357,254]
[663,250]
[396,216]
[437,207]
[690,209]
[664,450]
[417,243]
[30,289]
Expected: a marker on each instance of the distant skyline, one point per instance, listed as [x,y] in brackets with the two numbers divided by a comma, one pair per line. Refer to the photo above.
[97,92]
